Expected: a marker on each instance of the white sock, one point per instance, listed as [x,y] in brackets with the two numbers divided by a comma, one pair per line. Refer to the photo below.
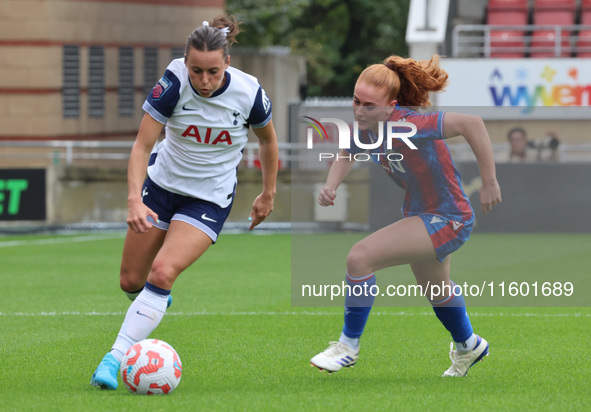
[467,345]
[353,343]
[143,315]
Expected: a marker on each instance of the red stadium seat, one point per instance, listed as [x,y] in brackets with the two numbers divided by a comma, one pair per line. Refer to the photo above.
[508,4]
[507,44]
[583,47]
[555,4]
[586,12]
[543,44]
[515,17]
[562,17]
[554,12]
[507,12]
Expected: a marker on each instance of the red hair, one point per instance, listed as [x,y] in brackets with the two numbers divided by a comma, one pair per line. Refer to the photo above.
[406,80]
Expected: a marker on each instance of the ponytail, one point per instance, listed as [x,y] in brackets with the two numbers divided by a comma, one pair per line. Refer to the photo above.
[218,34]
[407,80]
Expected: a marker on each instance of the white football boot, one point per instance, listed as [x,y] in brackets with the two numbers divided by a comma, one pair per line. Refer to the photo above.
[462,361]
[337,356]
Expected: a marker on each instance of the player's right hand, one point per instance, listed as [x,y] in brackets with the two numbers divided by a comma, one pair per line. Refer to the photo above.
[137,217]
[327,196]
[490,195]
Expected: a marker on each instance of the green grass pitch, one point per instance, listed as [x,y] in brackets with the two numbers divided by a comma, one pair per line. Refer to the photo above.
[244,347]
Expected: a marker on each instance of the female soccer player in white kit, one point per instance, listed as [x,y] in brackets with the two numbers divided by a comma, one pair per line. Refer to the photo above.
[178,211]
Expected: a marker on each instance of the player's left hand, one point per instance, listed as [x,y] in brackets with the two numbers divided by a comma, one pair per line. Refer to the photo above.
[490,195]
[261,208]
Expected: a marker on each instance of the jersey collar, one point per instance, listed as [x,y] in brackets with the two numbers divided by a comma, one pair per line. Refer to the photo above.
[218,91]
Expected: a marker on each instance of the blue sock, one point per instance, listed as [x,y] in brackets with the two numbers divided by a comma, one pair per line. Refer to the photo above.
[451,311]
[358,304]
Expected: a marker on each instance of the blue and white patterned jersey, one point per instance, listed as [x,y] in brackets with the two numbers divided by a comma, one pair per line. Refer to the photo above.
[204,136]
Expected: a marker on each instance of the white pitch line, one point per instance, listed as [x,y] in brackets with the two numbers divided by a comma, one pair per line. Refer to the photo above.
[303,313]
[53,241]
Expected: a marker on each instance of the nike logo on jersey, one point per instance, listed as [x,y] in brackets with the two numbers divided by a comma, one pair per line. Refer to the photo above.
[190,109]
[208,218]
[436,220]
[143,314]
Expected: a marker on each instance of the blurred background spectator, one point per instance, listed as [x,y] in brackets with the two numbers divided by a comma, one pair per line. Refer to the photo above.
[523,150]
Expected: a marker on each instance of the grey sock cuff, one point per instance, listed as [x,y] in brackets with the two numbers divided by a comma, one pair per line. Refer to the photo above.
[132,295]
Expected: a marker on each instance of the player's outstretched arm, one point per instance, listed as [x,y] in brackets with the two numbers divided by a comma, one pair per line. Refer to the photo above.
[269,157]
[337,173]
[137,212]
[474,131]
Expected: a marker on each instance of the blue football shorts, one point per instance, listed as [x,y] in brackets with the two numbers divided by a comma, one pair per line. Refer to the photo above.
[446,234]
[205,216]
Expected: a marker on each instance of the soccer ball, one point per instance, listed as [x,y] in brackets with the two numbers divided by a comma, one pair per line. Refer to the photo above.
[151,367]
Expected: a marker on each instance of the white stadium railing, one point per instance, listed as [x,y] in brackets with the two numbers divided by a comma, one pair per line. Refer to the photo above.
[487,40]
[71,151]
[14,153]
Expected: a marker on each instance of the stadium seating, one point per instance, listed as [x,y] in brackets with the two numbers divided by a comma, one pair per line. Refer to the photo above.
[508,4]
[555,4]
[507,43]
[543,44]
[552,12]
[507,12]
[584,44]
[586,12]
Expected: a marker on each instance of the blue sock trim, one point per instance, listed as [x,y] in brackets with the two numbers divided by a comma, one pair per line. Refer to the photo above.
[156,289]
[452,314]
[357,308]
[456,321]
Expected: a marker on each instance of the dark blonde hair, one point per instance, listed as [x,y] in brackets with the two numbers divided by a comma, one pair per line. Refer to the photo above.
[209,38]
[406,80]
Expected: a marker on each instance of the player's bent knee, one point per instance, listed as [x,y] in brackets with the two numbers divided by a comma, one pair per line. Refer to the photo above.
[162,275]
[357,261]
[127,286]
[130,281]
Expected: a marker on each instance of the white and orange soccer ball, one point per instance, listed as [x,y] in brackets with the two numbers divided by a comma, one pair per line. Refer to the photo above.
[151,367]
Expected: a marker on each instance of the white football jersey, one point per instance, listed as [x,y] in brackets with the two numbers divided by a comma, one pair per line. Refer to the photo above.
[204,136]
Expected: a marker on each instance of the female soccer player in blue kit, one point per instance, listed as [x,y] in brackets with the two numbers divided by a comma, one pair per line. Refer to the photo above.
[437,215]
[178,211]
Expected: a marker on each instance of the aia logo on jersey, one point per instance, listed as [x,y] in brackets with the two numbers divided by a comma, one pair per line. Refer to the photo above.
[207,137]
